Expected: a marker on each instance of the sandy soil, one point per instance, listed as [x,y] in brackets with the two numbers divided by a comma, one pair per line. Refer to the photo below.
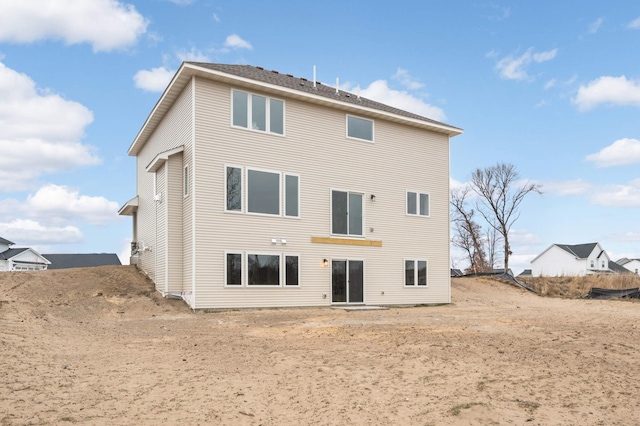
[98,346]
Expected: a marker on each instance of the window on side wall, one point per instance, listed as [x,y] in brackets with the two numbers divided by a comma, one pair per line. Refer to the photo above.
[415,272]
[359,128]
[347,213]
[263,192]
[233,269]
[291,270]
[417,203]
[256,112]
[233,189]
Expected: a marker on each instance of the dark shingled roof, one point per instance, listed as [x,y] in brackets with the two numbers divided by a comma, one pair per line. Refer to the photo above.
[581,251]
[617,268]
[81,260]
[8,254]
[305,85]
[7,242]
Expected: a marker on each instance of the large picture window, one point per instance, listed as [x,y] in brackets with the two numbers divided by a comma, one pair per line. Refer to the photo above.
[359,128]
[346,213]
[263,192]
[257,112]
[415,272]
[263,269]
[417,203]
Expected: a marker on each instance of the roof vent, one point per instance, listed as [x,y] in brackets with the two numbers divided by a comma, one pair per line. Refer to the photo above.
[275,72]
[290,75]
[260,68]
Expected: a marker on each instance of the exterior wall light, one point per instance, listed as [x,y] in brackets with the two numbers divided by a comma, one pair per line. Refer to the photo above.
[325,262]
[373,197]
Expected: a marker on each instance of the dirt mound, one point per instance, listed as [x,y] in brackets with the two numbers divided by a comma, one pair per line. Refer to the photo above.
[83,292]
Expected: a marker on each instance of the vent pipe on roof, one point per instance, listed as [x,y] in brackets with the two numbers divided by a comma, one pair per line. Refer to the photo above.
[337,84]
[358,91]
[314,76]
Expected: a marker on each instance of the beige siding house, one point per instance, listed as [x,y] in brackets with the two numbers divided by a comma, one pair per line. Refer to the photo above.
[260,189]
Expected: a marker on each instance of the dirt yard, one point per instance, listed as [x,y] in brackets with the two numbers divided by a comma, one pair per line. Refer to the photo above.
[98,346]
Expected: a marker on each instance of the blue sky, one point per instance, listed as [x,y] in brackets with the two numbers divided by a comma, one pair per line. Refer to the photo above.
[552,87]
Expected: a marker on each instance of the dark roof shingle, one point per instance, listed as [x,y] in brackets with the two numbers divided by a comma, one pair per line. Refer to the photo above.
[81,260]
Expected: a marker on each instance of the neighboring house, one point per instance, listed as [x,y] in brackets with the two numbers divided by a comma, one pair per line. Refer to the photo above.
[456,273]
[632,265]
[20,259]
[82,260]
[571,260]
[525,274]
[260,189]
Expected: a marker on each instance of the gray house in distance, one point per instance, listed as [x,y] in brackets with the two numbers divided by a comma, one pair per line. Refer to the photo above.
[82,260]
[260,189]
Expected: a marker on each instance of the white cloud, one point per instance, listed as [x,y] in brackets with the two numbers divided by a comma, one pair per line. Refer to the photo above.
[193,55]
[515,68]
[634,25]
[402,76]
[216,18]
[609,91]
[617,195]
[58,203]
[621,152]
[234,41]
[541,104]
[40,132]
[105,24]
[182,2]
[595,25]
[627,236]
[523,237]
[549,84]
[153,80]
[28,232]
[569,187]
[380,91]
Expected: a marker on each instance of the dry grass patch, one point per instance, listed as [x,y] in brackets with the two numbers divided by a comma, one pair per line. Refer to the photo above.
[579,286]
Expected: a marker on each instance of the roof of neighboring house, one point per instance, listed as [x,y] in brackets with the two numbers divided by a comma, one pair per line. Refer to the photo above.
[525,273]
[273,81]
[581,251]
[456,272]
[618,268]
[7,242]
[8,254]
[81,260]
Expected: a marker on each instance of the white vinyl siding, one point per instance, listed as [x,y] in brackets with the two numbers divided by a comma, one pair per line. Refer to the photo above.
[412,158]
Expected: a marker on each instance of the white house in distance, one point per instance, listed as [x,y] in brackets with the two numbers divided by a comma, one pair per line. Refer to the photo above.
[20,259]
[632,265]
[261,189]
[571,260]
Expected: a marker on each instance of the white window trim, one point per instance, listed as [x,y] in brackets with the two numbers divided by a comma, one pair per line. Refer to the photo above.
[268,113]
[245,195]
[261,253]
[283,267]
[242,189]
[186,182]
[284,194]
[415,272]
[406,203]
[373,129]
[364,227]
[242,268]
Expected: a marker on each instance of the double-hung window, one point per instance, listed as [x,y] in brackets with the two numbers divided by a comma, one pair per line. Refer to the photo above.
[415,272]
[347,213]
[257,112]
[359,128]
[417,203]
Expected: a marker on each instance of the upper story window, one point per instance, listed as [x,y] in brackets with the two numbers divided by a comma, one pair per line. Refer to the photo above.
[417,203]
[347,213]
[359,128]
[257,112]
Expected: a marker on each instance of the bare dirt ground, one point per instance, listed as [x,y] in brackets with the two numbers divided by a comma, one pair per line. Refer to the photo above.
[98,346]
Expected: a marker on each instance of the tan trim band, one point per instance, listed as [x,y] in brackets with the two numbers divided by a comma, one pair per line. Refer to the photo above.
[346,241]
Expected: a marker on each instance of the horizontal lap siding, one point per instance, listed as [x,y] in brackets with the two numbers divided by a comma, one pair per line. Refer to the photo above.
[160,249]
[174,223]
[316,148]
[172,132]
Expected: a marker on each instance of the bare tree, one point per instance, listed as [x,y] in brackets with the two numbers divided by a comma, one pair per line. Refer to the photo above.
[492,240]
[468,234]
[500,200]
